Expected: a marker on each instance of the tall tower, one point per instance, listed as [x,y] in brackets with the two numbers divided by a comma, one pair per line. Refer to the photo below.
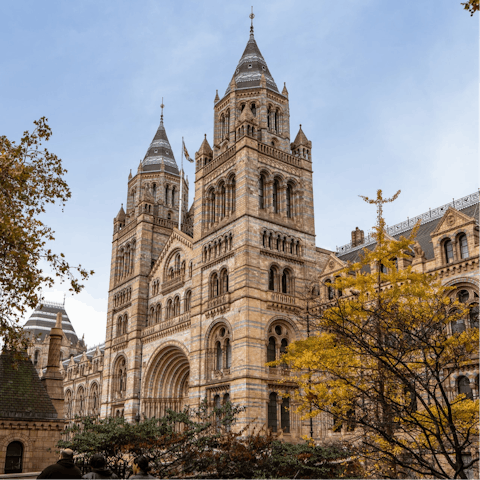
[139,235]
[254,245]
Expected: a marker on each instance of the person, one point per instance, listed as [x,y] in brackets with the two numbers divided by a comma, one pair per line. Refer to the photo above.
[64,468]
[99,468]
[141,468]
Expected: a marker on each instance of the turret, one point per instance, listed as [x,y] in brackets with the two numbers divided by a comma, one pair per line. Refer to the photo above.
[301,146]
[204,154]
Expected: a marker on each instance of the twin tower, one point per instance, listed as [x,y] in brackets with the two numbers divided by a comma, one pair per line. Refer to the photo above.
[197,313]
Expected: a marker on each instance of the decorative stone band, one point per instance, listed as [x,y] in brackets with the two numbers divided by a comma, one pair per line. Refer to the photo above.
[408,224]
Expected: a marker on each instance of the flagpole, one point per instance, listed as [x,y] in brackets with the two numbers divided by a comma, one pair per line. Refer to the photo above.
[181,194]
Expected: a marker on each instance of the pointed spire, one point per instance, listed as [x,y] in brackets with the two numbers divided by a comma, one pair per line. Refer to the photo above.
[285,91]
[205,148]
[160,151]
[301,138]
[217,98]
[130,175]
[251,66]
[120,215]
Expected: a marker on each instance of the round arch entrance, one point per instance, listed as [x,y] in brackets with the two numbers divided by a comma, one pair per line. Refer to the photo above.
[166,382]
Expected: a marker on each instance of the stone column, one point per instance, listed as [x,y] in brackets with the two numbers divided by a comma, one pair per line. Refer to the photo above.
[53,379]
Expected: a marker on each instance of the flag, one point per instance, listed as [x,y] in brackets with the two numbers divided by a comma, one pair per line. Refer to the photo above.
[187,156]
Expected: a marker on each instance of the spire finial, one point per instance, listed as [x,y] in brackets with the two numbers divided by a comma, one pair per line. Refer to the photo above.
[161,116]
[251,16]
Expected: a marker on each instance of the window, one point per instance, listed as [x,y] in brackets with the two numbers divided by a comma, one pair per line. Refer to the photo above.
[121,377]
[271,350]
[465,388]
[276,206]
[474,316]
[167,189]
[228,353]
[286,281]
[463,246]
[36,358]
[271,279]
[234,193]
[188,301]
[448,246]
[14,458]
[463,296]
[458,326]
[173,196]
[272,412]
[285,415]
[214,286]
[219,363]
[289,201]
[261,192]
[176,307]
[330,292]
[223,282]
[383,268]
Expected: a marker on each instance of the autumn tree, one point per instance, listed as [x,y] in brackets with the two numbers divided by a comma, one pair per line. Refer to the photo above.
[30,179]
[381,359]
[472,6]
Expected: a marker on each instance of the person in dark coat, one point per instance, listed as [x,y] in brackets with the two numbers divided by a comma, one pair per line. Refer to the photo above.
[141,468]
[64,468]
[99,468]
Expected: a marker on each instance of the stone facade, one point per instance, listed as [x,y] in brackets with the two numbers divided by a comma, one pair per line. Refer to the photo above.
[198,312]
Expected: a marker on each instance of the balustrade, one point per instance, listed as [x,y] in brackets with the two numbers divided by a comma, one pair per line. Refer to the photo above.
[283,298]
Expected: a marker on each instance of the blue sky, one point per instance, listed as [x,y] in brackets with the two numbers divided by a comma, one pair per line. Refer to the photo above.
[386,91]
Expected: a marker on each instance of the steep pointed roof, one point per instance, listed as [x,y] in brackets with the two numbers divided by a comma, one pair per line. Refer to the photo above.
[160,152]
[43,319]
[121,214]
[301,138]
[250,68]
[205,148]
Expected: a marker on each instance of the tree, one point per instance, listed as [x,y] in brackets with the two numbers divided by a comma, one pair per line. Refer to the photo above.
[380,360]
[199,443]
[30,178]
[472,6]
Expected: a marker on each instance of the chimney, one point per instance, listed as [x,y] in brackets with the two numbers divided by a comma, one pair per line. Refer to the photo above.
[358,237]
[53,379]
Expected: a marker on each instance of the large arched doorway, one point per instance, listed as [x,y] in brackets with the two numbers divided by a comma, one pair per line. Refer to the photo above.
[14,458]
[166,382]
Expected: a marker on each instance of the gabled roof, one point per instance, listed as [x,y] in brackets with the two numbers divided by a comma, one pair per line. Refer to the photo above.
[43,319]
[250,68]
[160,152]
[22,394]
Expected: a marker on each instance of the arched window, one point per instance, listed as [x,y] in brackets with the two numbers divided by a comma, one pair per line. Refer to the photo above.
[276,206]
[68,402]
[14,458]
[289,201]
[125,324]
[271,279]
[283,346]
[158,313]
[214,288]
[223,282]
[286,282]
[464,387]
[219,363]
[169,309]
[121,375]
[272,412]
[448,246]
[261,192]
[80,401]
[151,317]
[271,350]
[94,399]
[462,241]
[383,268]
[339,291]
[228,353]
[223,200]
[330,292]
[212,207]
[458,326]
[176,307]
[188,301]
[285,415]
[36,358]
[234,194]
[173,196]
[474,316]
[167,190]
[253,108]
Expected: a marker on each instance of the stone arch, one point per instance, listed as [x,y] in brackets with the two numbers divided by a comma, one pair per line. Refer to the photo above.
[166,384]
[170,260]
[27,450]
[218,346]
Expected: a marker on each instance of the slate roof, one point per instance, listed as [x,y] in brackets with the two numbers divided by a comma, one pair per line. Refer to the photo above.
[22,394]
[160,152]
[43,319]
[250,68]
[423,236]
[89,353]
